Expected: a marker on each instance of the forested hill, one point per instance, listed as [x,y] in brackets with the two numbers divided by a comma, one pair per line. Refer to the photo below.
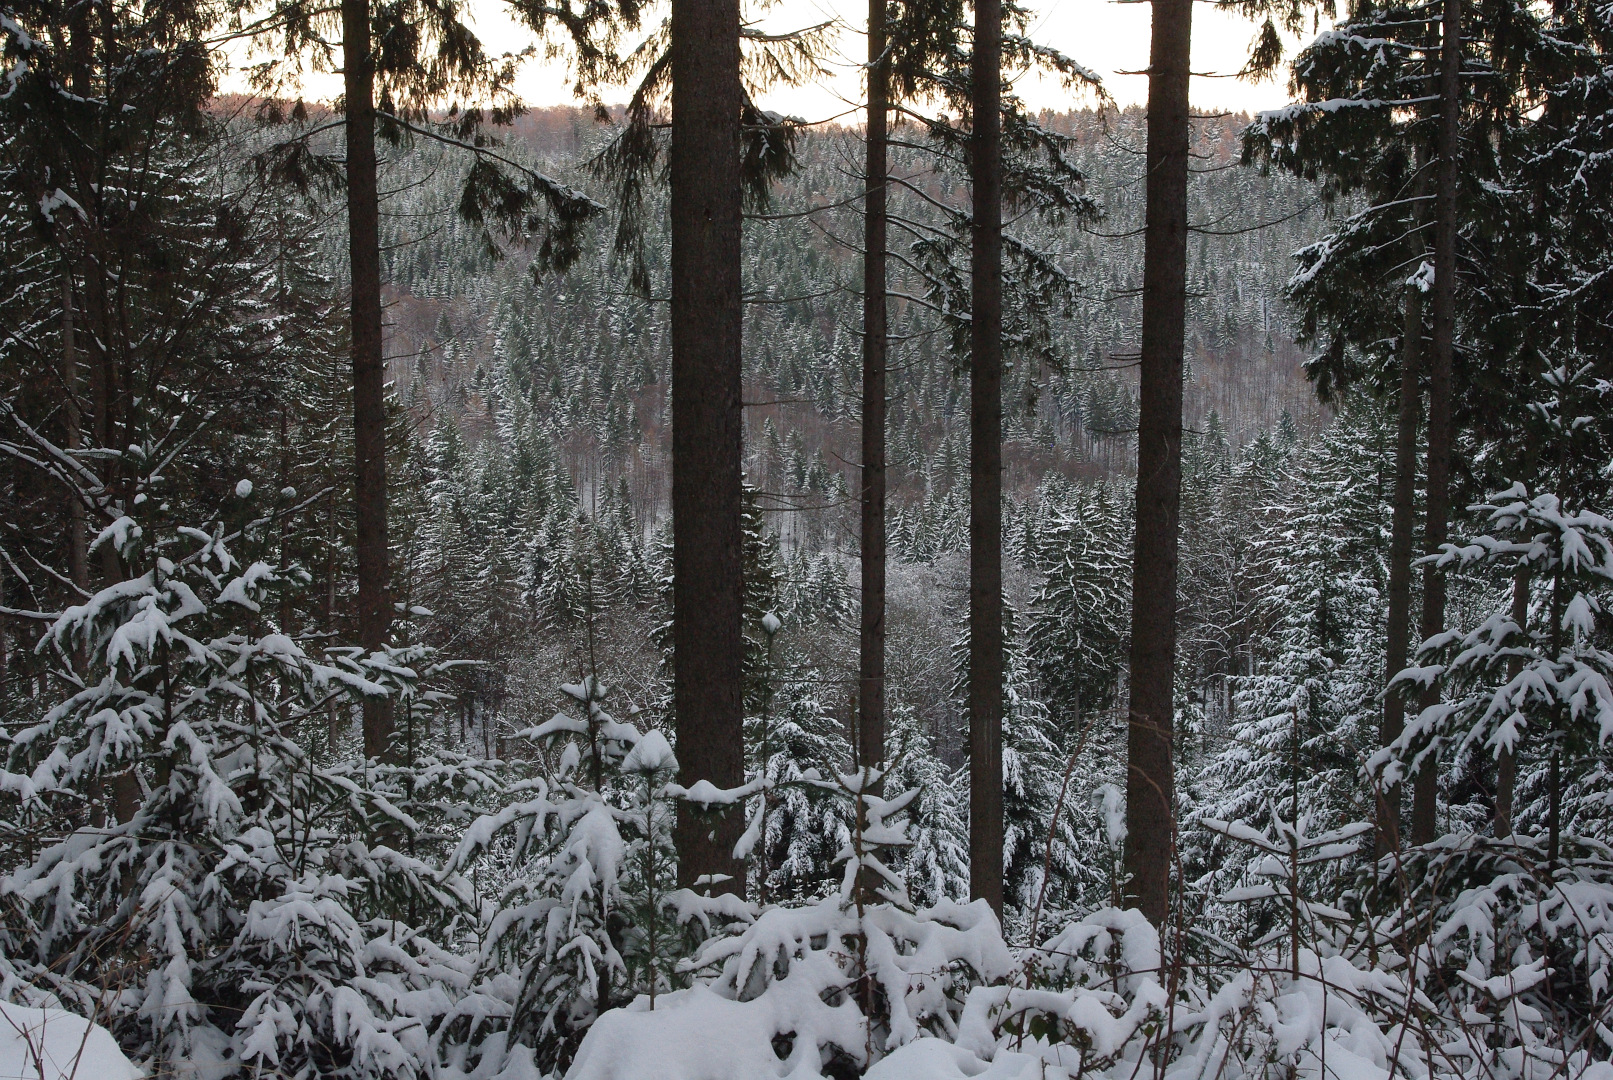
[528,403]
[471,337]
[373,708]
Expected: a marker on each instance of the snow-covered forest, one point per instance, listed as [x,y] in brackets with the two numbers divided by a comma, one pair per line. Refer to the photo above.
[675,591]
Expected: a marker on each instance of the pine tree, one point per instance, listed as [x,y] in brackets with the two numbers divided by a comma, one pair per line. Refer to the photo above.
[936,865]
[251,904]
[1032,768]
[591,916]
[707,535]
[1078,621]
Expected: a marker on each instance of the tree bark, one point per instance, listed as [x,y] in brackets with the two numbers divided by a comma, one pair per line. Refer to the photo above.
[1401,541]
[1150,774]
[78,568]
[985,465]
[369,363]
[707,566]
[1556,732]
[1506,764]
[1425,793]
[871,642]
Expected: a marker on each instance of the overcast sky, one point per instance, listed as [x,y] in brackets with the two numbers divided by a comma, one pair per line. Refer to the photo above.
[1107,36]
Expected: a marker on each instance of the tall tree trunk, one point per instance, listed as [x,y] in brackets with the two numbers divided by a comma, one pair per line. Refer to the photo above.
[707,567]
[1425,791]
[986,466]
[1556,733]
[1401,541]
[871,643]
[121,794]
[1506,764]
[81,59]
[369,364]
[73,438]
[1150,773]
[103,382]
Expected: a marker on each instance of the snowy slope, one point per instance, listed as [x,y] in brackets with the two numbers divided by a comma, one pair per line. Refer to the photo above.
[51,1044]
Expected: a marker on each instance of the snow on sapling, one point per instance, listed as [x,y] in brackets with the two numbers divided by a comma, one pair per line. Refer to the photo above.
[589,918]
[1513,953]
[829,987]
[1502,683]
[658,913]
[1285,859]
[935,865]
[794,826]
[1088,997]
[1102,998]
[234,905]
[1033,768]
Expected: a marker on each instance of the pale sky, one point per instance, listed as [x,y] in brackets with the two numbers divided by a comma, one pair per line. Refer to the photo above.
[1107,36]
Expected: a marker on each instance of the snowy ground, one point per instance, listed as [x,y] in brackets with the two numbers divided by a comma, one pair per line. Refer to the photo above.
[51,1044]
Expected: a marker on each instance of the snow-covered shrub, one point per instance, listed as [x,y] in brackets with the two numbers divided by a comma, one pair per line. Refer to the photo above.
[1287,891]
[215,894]
[1506,686]
[828,987]
[591,917]
[796,826]
[1513,954]
[1082,998]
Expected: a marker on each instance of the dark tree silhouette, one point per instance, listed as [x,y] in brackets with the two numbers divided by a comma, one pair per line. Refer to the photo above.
[1150,774]
[707,567]
[986,464]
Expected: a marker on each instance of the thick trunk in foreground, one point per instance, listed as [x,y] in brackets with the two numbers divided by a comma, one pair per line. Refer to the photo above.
[1150,773]
[707,582]
[1425,791]
[871,642]
[985,467]
[369,365]
[1401,530]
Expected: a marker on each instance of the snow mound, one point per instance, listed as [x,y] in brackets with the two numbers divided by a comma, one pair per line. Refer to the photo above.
[694,1034]
[52,1044]
[937,1059]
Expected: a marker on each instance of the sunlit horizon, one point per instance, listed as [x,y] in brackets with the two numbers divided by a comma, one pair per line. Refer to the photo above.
[1110,37]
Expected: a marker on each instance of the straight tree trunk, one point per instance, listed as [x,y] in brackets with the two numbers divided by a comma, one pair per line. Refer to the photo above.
[985,466]
[121,794]
[81,59]
[1425,792]
[103,382]
[1556,733]
[707,569]
[1401,530]
[1506,765]
[369,364]
[871,643]
[1150,773]
[77,557]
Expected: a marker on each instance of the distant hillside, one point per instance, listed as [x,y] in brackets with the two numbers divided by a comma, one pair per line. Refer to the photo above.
[481,343]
